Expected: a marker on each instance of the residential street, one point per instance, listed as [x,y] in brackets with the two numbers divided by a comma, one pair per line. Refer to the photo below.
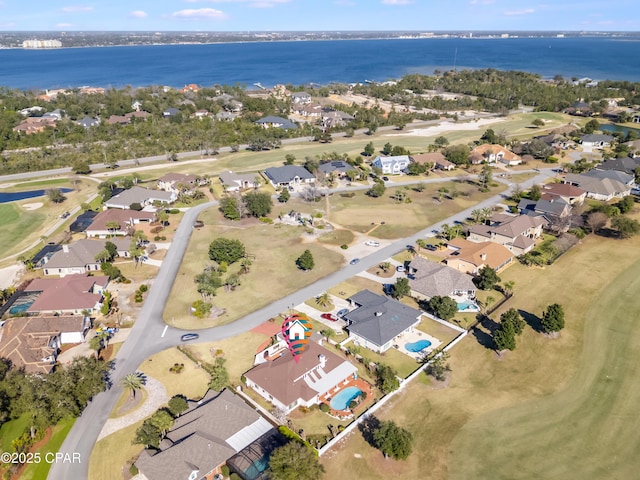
[150,334]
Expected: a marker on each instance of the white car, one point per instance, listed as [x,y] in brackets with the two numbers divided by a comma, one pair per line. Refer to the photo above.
[371,243]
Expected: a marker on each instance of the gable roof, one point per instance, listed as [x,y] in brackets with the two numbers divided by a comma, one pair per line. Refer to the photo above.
[486,149]
[596,138]
[26,341]
[594,185]
[287,380]
[434,279]
[562,190]
[174,177]
[73,292]
[210,432]
[379,319]
[287,173]
[555,207]
[623,164]
[433,157]
[231,178]
[401,159]
[611,174]
[508,225]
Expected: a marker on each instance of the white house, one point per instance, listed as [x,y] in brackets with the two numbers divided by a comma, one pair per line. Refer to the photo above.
[392,165]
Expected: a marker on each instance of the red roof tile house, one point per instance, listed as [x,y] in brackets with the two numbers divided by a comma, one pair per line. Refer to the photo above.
[565,191]
[288,384]
[517,233]
[73,294]
[33,343]
[114,222]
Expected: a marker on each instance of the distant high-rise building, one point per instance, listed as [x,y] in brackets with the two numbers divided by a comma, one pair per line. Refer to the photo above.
[41,44]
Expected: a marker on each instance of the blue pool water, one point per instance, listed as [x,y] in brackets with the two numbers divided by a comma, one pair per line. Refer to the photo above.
[468,306]
[418,346]
[343,398]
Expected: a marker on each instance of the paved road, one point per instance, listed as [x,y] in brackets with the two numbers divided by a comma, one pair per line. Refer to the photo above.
[151,335]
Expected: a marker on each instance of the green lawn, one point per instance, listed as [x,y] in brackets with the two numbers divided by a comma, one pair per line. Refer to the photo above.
[37,471]
[274,260]
[553,408]
[19,227]
[13,429]
[192,382]
[111,453]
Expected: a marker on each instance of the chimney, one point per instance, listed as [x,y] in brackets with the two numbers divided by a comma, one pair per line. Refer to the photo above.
[483,256]
[323,360]
[65,248]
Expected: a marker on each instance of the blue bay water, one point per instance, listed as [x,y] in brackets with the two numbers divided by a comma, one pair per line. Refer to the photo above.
[314,61]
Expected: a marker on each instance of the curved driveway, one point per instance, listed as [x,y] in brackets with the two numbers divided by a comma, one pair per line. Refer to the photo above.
[151,335]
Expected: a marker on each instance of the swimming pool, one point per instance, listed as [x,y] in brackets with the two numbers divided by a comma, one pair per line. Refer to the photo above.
[418,346]
[468,306]
[343,398]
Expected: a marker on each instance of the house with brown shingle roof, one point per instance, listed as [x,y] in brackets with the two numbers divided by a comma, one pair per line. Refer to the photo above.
[288,384]
[170,182]
[436,159]
[517,233]
[125,219]
[470,257]
[33,343]
[73,294]
[203,438]
[490,153]
[565,191]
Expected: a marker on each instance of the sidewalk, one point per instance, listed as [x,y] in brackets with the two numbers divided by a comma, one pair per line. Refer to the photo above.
[156,397]
[83,350]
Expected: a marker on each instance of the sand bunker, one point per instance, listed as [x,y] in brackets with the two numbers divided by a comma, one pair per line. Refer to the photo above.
[32,206]
[450,127]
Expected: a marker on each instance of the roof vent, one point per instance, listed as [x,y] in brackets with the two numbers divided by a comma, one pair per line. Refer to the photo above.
[378,314]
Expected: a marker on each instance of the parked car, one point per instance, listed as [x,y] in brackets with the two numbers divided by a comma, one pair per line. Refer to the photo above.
[354,261]
[189,336]
[65,215]
[371,243]
[328,316]
[386,179]
[431,247]
[343,312]
[401,269]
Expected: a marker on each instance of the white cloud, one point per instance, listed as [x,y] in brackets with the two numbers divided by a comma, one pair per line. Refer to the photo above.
[527,11]
[63,25]
[344,3]
[482,2]
[200,13]
[251,3]
[77,8]
[138,14]
[397,2]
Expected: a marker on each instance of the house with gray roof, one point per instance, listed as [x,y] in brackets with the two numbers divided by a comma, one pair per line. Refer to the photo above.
[392,165]
[553,208]
[142,196]
[80,257]
[289,175]
[301,97]
[429,279]
[603,189]
[378,320]
[204,437]
[596,140]
[234,182]
[337,167]
[623,164]
[276,122]
[616,175]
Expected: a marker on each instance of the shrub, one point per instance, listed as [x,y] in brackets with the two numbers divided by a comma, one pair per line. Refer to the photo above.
[266,220]
[225,470]
[324,408]
[156,238]
[156,229]
[174,211]
[318,215]
[138,297]
[353,404]
[344,246]
[133,470]
[143,288]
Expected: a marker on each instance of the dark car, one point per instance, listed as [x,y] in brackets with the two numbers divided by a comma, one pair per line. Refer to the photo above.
[328,316]
[386,179]
[354,261]
[342,312]
[189,336]
[431,247]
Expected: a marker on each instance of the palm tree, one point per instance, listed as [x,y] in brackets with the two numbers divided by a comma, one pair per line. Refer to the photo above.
[133,382]
[488,301]
[422,243]
[508,287]
[385,266]
[245,265]
[324,299]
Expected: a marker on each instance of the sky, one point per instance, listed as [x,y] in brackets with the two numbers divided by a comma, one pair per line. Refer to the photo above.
[318,15]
